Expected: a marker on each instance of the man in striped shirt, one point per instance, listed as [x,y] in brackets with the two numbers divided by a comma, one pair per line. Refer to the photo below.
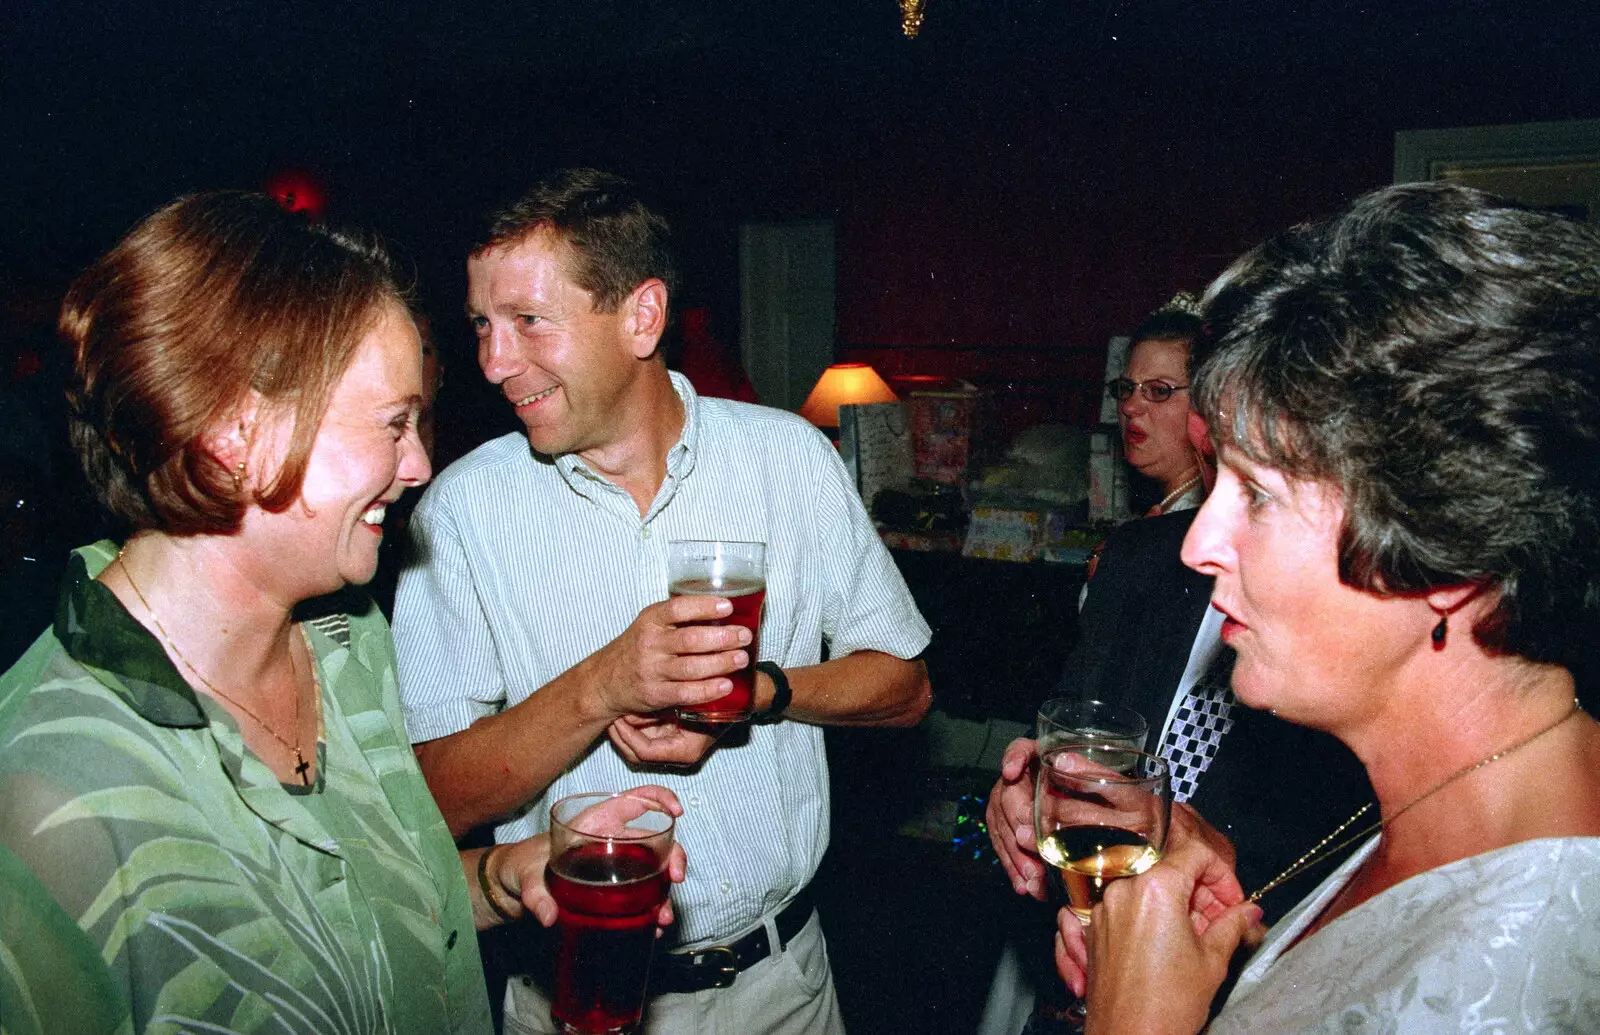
[540,656]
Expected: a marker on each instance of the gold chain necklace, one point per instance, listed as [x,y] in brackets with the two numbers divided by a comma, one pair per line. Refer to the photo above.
[302,768]
[1317,855]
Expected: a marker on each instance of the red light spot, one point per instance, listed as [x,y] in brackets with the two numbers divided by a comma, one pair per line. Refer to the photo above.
[298,191]
[26,364]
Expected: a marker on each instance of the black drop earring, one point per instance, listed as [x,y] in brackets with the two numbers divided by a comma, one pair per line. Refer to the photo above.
[1440,631]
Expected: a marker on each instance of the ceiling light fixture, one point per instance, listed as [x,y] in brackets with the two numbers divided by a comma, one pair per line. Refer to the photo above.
[911,17]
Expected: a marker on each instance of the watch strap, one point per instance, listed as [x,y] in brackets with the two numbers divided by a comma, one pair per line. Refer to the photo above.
[781,693]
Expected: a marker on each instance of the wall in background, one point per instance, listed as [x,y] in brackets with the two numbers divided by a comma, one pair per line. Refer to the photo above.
[982,263]
[1010,189]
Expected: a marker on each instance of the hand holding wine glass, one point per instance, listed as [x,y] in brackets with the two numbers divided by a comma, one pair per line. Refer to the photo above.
[1146,935]
[1199,851]
[1101,812]
[1061,721]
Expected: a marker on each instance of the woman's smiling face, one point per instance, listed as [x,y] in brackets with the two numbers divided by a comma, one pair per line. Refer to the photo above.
[366,453]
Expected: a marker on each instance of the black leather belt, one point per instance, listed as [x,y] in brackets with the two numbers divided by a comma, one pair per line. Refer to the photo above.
[718,966]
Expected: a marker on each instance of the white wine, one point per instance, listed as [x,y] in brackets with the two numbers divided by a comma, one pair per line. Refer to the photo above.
[1089,858]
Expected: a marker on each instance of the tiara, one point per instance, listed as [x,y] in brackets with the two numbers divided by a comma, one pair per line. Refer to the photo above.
[1182,302]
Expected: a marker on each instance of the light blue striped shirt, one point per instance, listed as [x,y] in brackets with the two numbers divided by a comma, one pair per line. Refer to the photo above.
[527,566]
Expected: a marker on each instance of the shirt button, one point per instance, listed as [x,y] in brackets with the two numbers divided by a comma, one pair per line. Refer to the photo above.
[644,533]
[694,801]
[450,942]
[725,887]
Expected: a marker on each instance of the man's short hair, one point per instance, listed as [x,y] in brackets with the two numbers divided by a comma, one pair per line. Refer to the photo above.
[615,240]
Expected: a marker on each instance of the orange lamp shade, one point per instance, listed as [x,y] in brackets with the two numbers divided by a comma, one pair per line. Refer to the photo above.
[840,384]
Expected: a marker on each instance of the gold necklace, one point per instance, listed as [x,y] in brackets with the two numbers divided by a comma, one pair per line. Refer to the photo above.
[1317,855]
[302,768]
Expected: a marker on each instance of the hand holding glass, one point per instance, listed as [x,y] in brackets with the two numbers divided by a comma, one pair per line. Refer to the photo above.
[1100,813]
[738,571]
[608,875]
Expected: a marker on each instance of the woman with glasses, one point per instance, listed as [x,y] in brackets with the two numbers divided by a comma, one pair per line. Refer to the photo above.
[1153,406]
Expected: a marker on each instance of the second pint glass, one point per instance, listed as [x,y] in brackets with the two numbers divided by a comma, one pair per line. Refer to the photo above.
[608,875]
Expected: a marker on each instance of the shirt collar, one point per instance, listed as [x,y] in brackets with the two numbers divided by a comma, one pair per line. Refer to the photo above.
[680,458]
[100,634]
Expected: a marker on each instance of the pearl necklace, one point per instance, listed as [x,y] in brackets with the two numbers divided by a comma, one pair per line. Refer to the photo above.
[1161,508]
[1317,854]
[302,768]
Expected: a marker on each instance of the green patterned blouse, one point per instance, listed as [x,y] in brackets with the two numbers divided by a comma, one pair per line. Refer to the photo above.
[192,891]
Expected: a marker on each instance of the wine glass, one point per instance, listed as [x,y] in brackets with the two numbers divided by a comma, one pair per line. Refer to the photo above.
[1072,720]
[1100,813]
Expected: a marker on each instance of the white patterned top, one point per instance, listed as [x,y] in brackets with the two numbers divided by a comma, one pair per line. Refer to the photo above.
[1506,941]
[530,565]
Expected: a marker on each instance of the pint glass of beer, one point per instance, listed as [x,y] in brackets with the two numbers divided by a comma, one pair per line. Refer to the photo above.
[738,571]
[608,875]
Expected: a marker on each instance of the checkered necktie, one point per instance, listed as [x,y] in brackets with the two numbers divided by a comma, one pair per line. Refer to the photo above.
[1196,730]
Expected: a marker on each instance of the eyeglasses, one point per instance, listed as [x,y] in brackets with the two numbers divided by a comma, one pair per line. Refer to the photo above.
[1155,391]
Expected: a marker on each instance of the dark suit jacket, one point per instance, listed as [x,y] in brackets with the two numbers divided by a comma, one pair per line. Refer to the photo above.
[1274,788]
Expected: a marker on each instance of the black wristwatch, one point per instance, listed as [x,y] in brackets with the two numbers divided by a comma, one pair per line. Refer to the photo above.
[781,694]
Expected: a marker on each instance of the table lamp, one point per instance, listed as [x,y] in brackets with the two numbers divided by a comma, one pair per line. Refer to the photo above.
[841,384]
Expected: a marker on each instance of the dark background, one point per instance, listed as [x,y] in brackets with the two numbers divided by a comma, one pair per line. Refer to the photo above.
[1021,181]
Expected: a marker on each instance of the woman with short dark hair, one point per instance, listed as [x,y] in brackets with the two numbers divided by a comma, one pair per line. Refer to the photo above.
[202,763]
[1405,536]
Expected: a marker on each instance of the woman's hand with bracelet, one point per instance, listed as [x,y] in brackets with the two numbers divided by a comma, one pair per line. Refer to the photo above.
[507,881]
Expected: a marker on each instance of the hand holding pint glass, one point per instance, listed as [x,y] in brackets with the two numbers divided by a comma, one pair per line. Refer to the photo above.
[608,872]
[737,571]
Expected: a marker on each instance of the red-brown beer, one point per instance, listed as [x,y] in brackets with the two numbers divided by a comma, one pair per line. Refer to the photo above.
[608,894]
[747,596]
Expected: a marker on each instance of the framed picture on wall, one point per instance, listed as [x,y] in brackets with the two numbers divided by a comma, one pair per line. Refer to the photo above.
[1551,165]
